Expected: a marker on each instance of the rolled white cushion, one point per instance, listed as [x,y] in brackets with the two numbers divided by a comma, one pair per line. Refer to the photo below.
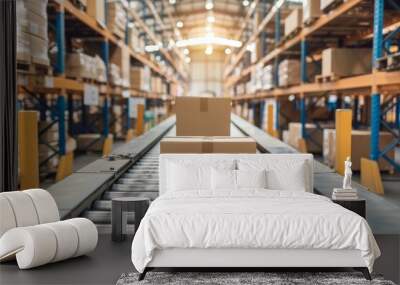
[7,218]
[87,235]
[45,205]
[66,238]
[34,245]
[41,244]
[23,208]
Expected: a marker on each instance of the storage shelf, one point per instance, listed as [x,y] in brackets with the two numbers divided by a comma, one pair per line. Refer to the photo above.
[304,32]
[49,85]
[384,82]
[106,34]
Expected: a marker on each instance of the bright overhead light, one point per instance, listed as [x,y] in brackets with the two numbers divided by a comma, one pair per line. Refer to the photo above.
[186,51]
[209,41]
[245,3]
[179,24]
[228,51]
[210,19]
[152,48]
[172,2]
[188,59]
[131,25]
[209,50]
[209,5]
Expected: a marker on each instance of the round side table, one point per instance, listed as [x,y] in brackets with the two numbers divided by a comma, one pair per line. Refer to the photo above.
[119,214]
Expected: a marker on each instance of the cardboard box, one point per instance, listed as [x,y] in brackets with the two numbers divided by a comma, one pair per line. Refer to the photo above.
[200,116]
[314,145]
[95,8]
[116,18]
[360,147]
[39,48]
[80,65]
[121,58]
[208,145]
[140,78]
[344,62]
[293,21]
[311,10]
[37,25]
[289,72]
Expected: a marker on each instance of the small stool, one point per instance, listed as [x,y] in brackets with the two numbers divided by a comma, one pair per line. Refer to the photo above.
[119,214]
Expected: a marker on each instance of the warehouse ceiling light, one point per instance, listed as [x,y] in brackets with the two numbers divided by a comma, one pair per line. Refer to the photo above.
[209,50]
[179,24]
[228,51]
[186,51]
[209,5]
[210,40]
[245,3]
[172,2]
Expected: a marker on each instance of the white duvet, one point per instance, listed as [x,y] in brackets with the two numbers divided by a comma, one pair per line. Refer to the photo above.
[250,219]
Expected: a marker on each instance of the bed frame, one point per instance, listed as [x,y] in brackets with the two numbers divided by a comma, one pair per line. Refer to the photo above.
[243,259]
[246,258]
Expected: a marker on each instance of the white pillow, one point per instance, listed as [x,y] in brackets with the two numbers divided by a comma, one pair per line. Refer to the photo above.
[288,174]
[223,179]
[285,179]
[251,178]
[182,177]
[194,175]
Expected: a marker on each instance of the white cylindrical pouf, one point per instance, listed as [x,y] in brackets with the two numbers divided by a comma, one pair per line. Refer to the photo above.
[66,238]
[23,208]
[7,218]
[87,233]
[45,205]
[34,246]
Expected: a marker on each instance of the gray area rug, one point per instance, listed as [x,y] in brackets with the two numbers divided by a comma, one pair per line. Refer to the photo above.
[269,278]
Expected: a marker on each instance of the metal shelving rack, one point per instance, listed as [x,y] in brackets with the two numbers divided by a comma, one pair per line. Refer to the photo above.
[375,84]
[65,89]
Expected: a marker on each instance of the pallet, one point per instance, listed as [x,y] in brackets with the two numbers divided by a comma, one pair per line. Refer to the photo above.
[389,63]
[25,67]
[332,5]
[326,78]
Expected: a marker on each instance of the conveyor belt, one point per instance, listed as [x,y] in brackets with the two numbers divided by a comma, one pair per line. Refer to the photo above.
[134,172]
[140,180]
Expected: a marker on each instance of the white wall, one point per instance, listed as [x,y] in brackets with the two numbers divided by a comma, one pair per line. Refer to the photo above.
[206,72]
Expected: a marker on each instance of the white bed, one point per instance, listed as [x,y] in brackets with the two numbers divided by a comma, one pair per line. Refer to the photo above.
[202,220]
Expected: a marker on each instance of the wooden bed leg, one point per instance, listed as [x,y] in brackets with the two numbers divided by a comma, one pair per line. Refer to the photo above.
[143,274]
[364,271]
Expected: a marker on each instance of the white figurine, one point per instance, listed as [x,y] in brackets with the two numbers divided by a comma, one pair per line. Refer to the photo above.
[347,174]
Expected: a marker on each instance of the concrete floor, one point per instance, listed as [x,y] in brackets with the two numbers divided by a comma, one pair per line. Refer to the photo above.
[110,259]
[103,266]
